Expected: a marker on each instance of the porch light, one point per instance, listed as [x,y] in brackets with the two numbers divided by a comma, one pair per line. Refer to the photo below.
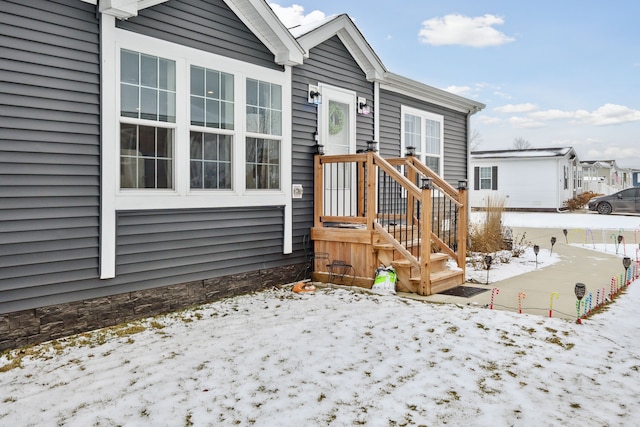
[314,95]
[462,184]
[426,183]
[319,148]
[371,146]
[363,107]
[411,151]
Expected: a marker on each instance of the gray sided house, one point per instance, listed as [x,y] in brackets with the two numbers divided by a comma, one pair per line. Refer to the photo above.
[149,151]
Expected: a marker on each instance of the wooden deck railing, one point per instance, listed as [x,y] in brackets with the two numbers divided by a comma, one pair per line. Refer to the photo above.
[409,205]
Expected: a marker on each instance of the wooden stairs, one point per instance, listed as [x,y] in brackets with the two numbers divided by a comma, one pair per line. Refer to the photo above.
[419,230]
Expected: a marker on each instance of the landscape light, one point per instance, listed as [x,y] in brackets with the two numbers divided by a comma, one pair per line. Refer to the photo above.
[626,262]
[488,259]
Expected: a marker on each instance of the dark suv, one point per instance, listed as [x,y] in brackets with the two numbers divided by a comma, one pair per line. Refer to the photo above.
[627,200]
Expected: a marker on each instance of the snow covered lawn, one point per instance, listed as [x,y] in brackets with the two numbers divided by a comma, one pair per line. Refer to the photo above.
[334,357]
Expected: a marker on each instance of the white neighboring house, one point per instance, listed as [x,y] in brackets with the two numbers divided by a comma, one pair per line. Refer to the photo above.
[533,179]
[605,176]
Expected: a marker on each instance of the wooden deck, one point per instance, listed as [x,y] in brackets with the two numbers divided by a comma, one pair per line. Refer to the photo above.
[369,212]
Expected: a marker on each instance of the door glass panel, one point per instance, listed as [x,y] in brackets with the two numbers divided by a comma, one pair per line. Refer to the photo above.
[338,124]
[339,138]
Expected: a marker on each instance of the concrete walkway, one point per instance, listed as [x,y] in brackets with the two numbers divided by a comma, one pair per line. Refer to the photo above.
[594,269]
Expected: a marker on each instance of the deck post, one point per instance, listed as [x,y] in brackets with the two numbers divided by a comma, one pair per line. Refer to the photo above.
[318,190]
[371,191]
[463,229]
[425,246]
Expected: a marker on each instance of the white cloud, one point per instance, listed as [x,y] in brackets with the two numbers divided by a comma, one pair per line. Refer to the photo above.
[502,95]
[615,152]
[460,90]
[608,114]
[525,123]
[552,115]
[516,108]
[294,15]
[488,120]
[463,30]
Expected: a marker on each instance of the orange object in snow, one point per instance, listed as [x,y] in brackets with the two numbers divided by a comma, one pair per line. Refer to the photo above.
[302,287]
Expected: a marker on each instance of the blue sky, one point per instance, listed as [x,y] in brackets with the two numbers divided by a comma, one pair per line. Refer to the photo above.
[555,73]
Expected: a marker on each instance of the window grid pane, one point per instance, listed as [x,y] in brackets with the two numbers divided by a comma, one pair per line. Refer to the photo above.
[264,107]
[211,98]
[146,157]
[147,87]
[263,164]
[210,161]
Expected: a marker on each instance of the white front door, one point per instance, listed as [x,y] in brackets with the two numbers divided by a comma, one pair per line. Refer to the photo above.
[337,132]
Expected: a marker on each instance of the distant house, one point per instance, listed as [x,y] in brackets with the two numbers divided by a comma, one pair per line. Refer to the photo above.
[605,176]
[532,179]
[160,153]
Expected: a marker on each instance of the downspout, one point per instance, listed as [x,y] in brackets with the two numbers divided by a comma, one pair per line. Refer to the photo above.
[376,113]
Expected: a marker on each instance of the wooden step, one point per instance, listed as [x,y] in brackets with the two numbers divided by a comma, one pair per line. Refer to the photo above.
[438,262]
[441,280]
[389,246]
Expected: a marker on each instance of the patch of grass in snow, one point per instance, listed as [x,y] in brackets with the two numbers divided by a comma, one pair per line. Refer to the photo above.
[187,420]
[484,388]
[453,396]
[13,363]
[47,350]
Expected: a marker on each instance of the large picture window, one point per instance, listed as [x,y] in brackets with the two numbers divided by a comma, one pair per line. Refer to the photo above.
[423,131]
[179,125]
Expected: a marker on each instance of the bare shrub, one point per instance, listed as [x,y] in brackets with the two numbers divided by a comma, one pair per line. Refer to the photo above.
[580,200]
[487,236]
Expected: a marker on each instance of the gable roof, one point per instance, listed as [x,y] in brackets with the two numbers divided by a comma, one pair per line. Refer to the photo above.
[255,14]
[605,164]
[310,36]
[553,152]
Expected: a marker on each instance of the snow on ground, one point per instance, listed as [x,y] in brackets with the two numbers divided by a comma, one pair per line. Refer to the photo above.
[334,357]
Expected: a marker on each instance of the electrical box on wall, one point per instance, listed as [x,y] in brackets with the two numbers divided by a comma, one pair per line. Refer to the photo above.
[296,191]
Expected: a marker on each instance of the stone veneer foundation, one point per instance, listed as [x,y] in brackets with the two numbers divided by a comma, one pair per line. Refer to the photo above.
[33,326]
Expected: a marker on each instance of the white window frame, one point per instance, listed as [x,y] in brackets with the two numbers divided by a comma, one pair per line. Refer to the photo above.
[181,196]
[490,178]
[420,151]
